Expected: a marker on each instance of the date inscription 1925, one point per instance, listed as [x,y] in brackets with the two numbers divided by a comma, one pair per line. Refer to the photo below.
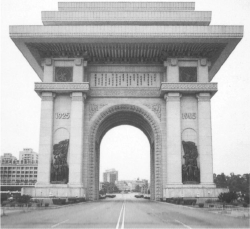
[62,115]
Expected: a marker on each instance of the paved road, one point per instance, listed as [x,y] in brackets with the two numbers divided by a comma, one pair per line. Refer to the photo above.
[124,211]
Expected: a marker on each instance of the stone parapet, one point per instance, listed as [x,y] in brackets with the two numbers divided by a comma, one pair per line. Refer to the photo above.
[125,6]
[186,87]
[61,87]
[200,18]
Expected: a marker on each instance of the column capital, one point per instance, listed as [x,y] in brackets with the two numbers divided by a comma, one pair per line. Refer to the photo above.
[172,96]
[48,61]
[203,97]
[48,96]
[80,62]
[171,62]
[78,96]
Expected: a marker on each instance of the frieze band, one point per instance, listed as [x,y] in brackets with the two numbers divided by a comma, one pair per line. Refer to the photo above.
[125,93]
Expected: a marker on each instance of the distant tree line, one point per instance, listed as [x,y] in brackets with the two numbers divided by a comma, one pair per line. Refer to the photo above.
[108,187]
[237,184]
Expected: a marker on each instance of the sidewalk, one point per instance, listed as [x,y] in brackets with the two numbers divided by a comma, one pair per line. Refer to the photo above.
[15,210]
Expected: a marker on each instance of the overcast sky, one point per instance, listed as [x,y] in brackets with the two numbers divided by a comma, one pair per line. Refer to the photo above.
[126,148]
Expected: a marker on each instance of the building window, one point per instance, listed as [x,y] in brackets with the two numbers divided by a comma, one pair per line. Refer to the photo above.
[188,74]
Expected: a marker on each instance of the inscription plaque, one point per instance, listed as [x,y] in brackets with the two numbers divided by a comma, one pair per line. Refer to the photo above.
[125,79]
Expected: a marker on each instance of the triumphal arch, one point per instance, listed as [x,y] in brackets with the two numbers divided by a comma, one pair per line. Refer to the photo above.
[145,64]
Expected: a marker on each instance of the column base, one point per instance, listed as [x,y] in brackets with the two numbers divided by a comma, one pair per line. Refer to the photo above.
[75,185]
[193,191]
[55,190]
[174,185]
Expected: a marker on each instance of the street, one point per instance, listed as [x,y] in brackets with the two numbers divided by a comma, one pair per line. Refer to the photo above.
[124,211]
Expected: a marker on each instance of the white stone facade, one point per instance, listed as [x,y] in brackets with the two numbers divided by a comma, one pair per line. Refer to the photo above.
[126,75]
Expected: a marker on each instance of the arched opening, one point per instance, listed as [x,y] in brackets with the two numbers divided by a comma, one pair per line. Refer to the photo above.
[127,150]
[124,115]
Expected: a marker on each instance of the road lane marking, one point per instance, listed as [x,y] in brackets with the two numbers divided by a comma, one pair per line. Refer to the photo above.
[118,223]
[183,224]
[60,223]
[124,209]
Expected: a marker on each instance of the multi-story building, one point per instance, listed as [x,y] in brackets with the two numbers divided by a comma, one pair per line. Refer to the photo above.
[18,172]
[28,154]
[110,175]
[8,157]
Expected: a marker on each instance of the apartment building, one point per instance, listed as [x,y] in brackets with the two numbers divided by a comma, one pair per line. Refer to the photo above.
[18,172]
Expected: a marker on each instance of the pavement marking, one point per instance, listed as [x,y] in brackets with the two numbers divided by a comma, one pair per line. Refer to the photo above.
[183,224]
[124,209]
[60,223]
[118,222]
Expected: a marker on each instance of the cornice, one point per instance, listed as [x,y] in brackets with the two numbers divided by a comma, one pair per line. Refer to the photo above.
[61,87]
[188,87]
[36,31]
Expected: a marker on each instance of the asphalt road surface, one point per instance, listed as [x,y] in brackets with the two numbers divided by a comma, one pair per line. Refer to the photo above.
[124,211]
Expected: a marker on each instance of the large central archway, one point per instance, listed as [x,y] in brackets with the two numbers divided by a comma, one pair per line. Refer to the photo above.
[124,114]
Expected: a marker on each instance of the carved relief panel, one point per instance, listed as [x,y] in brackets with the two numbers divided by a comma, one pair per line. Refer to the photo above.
[63,74]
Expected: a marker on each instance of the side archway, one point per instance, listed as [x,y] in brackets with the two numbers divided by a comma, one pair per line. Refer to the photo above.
[125,114]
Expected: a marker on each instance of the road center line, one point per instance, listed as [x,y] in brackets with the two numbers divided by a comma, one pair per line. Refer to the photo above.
[117,225]
[124,209]
[60,223]
[183,224]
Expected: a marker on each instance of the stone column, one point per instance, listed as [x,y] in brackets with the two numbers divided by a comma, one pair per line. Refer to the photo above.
[46,138]
[173,122]
[76,140]
[79,75]
[172,70]
[205,139]
[203,71]
[48,71]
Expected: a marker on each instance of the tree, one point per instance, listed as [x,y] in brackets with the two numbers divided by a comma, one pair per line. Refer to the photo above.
[137,188]
[109,187]
[227,197]
[238,184]
[24,199]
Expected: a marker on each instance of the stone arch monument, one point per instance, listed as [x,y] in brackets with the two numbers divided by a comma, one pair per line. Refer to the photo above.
[146,64]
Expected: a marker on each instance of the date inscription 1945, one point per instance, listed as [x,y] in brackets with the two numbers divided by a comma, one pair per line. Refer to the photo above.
[62,115]
[188,115]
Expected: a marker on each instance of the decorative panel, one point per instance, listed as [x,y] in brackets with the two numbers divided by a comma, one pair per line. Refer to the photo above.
[188,74]
[63,74]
